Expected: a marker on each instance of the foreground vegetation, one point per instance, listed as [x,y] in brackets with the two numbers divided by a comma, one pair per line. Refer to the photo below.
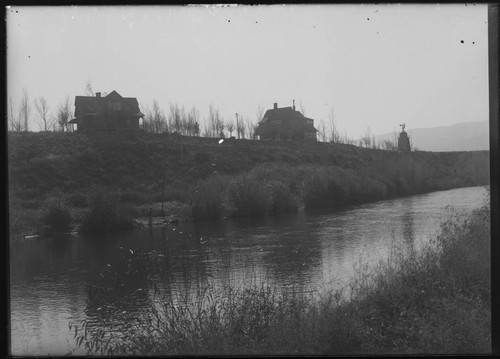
[215,180]
[436,301]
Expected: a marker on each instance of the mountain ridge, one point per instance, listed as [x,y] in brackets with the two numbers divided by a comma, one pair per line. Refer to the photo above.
[463,136]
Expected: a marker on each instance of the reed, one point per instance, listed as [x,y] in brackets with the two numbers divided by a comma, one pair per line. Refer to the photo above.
[104,215]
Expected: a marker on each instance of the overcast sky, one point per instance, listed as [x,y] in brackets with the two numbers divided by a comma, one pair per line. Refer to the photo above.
[376,65]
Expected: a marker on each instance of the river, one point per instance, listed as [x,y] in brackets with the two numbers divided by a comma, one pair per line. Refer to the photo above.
[310,252]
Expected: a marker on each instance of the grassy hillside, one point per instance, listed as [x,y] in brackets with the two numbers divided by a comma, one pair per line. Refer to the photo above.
[72,166]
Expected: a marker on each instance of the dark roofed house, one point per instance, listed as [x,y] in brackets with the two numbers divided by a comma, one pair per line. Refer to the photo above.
[286,124]
[112,112]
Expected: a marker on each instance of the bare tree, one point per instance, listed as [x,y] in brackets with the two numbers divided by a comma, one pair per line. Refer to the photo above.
[322,135]
[215,122]
[230,127]
[213,114]
[63,114]
[346,139]
[42,107]
[206,129]
[388,145]
[334,135]
[88,89]
[221,126]
[158,120]
[14,121]
[252,126]
[240,125]
[175,117]
[366,139]
[302,108]
[147,123]
[24,109]
[192,122]
[395,137]
[259,113]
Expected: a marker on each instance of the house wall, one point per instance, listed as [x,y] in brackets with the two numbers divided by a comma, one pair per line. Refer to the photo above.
[109,122]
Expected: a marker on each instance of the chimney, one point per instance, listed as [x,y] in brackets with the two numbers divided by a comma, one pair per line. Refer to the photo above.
[98,94]
[275,105]
[294,105]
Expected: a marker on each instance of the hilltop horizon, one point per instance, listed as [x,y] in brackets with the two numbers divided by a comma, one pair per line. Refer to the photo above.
[350,61]
[461,136]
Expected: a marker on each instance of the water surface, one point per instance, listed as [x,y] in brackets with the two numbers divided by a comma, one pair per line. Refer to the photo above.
[309,251]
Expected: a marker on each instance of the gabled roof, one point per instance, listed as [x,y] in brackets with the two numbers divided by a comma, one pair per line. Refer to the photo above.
[98,105]
[288,117]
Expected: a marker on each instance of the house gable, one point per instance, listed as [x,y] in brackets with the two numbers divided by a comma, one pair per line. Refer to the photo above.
[112,112]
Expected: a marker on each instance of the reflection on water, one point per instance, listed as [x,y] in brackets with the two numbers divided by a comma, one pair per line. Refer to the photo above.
[309,251]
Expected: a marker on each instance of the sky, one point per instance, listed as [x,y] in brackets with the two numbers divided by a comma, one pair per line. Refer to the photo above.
[372,66]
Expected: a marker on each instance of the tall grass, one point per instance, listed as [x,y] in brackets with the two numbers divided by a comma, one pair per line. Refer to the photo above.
[266,189]
[208,198]
[435,301]
[273,188]
[56,215]
[104,215]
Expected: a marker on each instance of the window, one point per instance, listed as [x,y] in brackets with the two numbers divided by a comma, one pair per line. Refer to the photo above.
[115,106]
[310,135]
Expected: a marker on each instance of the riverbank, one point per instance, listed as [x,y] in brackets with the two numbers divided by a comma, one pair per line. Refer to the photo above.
[212,180]
[436,301]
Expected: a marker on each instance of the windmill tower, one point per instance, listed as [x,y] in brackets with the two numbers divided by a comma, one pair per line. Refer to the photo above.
[403,140]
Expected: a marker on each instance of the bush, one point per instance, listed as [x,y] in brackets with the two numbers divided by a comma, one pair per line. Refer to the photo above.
[266,189]
[208,198]
[175,191]
[130,196]
[283,200]
[56,215]
[327,187]
[104,216]
[249,196]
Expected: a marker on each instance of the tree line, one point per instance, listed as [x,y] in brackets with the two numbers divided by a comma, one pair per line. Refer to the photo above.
[182,121]
[188,122]
[18,118]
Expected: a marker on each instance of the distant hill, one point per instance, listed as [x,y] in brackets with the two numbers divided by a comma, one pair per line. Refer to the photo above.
[467,136]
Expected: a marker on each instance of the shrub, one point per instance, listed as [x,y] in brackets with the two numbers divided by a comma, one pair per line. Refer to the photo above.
[56,215]
[268,188]
[249,196]
[208,198]
[321,190]
[173,192]
[283,200]
[104,215]
[130,196]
